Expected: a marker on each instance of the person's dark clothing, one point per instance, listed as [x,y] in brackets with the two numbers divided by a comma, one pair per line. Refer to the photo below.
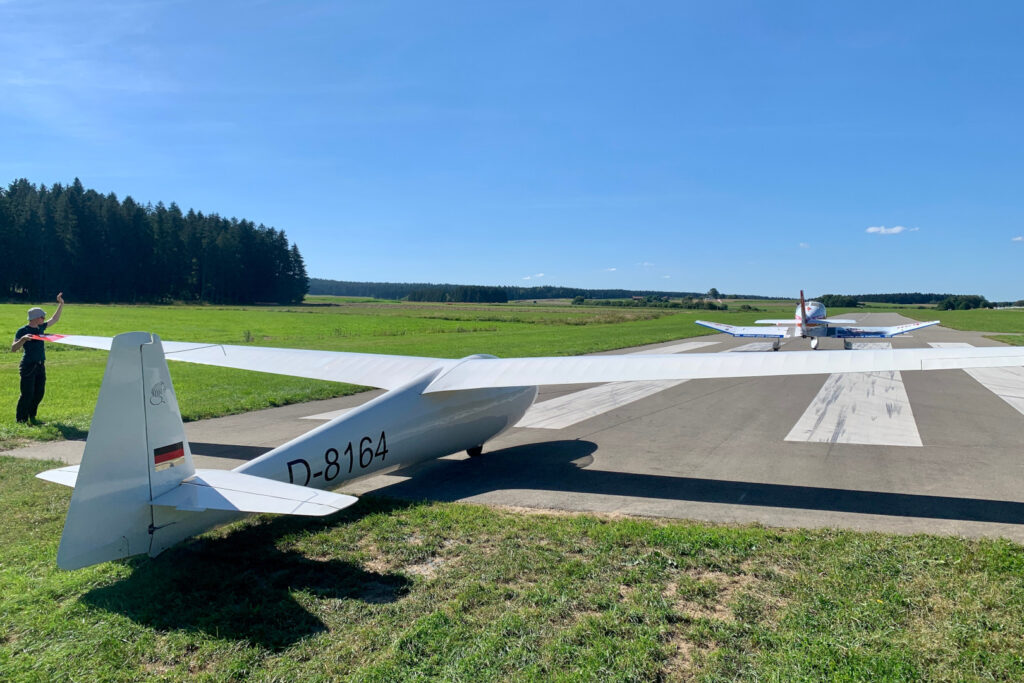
[33,373]
[35,350]
[33,386]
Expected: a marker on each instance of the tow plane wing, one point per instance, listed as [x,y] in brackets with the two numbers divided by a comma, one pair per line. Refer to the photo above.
[883,332]
[769,321]
[748,331]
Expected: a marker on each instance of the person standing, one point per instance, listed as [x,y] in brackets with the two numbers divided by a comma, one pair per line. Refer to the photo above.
[33,363]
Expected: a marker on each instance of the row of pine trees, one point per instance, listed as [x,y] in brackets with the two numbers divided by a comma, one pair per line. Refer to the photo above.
[94,247]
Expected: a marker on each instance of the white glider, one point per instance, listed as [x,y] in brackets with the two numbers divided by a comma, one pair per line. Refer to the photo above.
[137,491]
[811,322]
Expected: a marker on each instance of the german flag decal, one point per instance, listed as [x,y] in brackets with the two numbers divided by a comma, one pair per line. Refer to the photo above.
[165,454]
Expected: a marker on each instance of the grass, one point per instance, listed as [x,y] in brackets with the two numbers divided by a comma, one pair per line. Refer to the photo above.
[1005,326]
[390,591]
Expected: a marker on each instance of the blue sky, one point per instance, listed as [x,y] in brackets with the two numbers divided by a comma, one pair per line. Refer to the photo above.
[645,145]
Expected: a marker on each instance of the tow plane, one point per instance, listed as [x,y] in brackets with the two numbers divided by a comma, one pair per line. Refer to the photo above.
[811,322]
[137,491]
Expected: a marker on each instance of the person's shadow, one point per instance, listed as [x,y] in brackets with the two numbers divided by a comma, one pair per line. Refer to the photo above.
[240,586]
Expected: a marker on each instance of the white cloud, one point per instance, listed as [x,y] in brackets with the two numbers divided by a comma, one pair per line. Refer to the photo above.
[804,245]
[894,230]
[535,275]
[539,275]
[1018,238]
[666,277]
[645,264]
[610,270]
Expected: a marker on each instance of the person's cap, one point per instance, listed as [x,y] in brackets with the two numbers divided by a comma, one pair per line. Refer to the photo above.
[34,313]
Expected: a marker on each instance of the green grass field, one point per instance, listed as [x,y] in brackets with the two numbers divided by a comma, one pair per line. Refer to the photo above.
[395,591]
[1006,325]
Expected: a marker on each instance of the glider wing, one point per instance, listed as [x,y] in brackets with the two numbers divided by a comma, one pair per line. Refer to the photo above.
[367,369]
[475,373]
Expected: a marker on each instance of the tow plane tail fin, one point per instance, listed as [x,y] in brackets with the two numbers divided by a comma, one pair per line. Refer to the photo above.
[803,313]
[136,450]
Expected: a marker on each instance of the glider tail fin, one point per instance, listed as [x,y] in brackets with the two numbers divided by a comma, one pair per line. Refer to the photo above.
[135,452]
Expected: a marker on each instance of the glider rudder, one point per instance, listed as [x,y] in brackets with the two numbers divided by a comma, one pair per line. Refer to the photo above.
[136,451]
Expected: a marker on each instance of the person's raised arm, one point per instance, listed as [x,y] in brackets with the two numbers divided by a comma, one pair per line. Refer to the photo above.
[56,314]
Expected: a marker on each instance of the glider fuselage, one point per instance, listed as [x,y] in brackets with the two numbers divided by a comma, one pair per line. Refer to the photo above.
[399,428]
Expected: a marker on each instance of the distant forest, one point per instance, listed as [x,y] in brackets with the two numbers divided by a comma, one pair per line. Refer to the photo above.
[943,302]
[912,298]
[420,291]
[96,248]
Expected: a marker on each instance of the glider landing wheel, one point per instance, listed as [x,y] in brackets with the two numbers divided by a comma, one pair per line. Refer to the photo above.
[475,451]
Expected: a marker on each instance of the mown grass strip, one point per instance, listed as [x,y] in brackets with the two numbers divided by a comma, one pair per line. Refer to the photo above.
[1006,321]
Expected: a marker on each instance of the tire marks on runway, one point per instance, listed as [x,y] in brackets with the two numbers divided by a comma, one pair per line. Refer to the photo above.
[868,408]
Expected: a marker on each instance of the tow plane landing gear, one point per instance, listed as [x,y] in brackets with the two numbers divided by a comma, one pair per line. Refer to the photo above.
[814,343]
[475,451]
[776,344]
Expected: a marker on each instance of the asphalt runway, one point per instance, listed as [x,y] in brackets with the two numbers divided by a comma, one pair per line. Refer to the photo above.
[937,452]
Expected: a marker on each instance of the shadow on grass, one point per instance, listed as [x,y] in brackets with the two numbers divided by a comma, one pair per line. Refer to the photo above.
[70,432]
[240,586]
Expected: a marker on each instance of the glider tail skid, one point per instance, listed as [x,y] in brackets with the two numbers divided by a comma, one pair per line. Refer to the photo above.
[137,475]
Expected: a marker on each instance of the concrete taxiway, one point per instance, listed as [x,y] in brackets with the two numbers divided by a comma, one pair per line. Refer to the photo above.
[938,452]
